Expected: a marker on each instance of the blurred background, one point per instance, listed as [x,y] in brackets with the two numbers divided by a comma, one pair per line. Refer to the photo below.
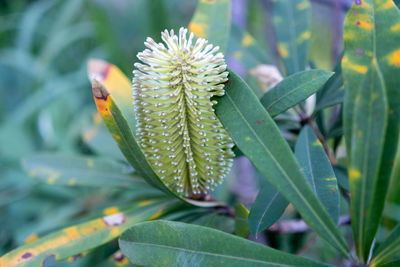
[46,101]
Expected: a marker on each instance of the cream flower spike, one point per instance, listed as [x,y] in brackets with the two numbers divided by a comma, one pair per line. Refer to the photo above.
[176,126]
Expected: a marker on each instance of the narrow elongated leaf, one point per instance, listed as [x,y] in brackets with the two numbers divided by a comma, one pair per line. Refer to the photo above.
[332,93]
[293,90]
[388,249]
[164,243]
[342,178]
[78,170]
[244,48]
[371,31]
[212,21]
[291,19]
[79,238]
[394,196]
[316,166]
[266,209]
[123,135]
[369,124]
[119,129]
[258,137]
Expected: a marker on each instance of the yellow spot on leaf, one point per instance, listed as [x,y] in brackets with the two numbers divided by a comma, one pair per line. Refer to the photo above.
[365,24]
[394,58]
[115,232]
[395,28]
[247,40]
[156,215]
[331,179]
[358,133]
[247,138]
[358,68]
[90,163]
[348,35]
[72,233]
[303,37]
[145,203]
[111,210]
[208,1]
[283,51]
[317,143]
[303,5]
[388,4]
[103,106]
[354,174]
[31,238]
[57,240]
[238,55]
[198,29]
[117,137]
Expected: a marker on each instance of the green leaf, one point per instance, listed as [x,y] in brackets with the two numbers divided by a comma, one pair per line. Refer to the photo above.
[388,249]
[371,31]
[82,237]
[369,124]
[258,137]
[79,170]
[123,135]
[291,20]
[293,90]
[332,92]
[318,170]
[394,196]
[164,243]
[243,47]
[212,21]
[394,263]
[266,209]
[241,225]
[342,178]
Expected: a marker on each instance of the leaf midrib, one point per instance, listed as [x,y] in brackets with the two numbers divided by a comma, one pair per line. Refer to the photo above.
[265,211]
[309,161]
[209,253]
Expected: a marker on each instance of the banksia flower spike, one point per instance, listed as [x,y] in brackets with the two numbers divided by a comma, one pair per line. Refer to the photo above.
[176,126]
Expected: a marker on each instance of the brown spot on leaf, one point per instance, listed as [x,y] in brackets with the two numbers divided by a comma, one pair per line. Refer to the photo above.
[228,83]
[99,91]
